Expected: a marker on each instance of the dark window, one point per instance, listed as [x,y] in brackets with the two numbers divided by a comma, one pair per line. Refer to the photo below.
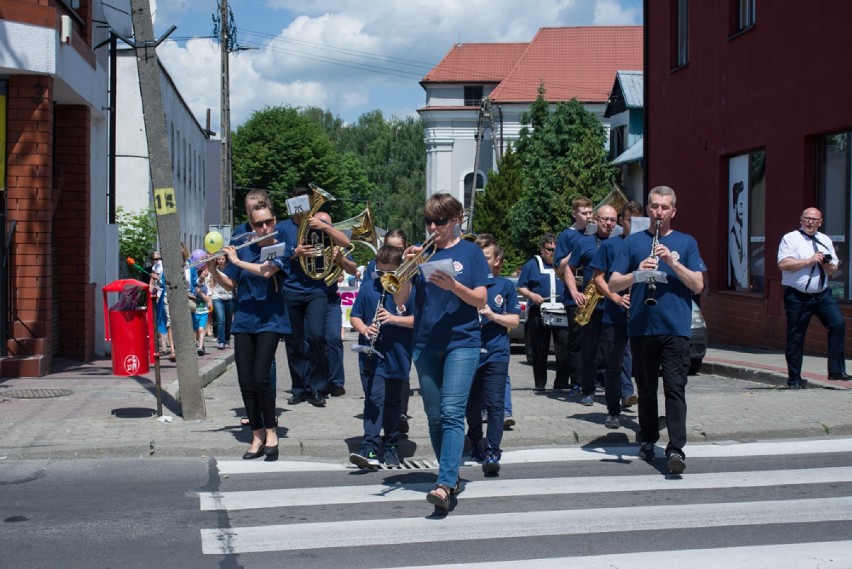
[745,14]
[834,185]
[480,185]
[680,23]
[472,95]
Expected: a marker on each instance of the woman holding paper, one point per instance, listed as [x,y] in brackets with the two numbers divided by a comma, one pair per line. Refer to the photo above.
[260,318]
[446,334]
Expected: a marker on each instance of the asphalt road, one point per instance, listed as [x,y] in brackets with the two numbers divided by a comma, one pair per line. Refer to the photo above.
[745,505]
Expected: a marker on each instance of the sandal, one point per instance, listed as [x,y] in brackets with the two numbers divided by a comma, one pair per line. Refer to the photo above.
[435,497]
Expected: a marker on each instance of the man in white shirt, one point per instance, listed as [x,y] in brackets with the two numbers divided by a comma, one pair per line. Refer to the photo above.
[806,258]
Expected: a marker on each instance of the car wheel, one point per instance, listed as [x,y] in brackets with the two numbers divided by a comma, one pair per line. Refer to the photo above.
[695,365]
[528,346]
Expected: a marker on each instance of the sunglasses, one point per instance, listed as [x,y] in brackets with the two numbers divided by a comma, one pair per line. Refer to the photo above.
[438,222]
[157,259]
[550,249]
[380,273]
[266,222]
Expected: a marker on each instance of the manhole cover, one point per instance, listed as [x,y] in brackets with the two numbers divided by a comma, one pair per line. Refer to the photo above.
[36,393]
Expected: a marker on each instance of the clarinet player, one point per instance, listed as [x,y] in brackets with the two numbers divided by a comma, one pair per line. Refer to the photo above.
[659,327]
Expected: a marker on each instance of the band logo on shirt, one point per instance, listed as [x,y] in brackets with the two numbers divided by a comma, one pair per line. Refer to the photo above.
[400,310]
[498,300]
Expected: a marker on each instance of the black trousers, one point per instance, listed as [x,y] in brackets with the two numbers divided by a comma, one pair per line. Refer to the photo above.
[671,355]
[590,339]
[253,355]
[539,336]
[306,344]
[800,306]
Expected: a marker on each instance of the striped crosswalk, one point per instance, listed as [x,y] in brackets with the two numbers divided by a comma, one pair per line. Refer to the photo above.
[588,497]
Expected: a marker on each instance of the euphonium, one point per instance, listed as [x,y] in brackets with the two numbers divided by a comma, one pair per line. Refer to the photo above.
[319,264]
[651,290]
[584,313]
[363,232]
[392,282]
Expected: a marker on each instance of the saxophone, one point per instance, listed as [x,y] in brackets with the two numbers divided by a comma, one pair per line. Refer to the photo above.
[593,296]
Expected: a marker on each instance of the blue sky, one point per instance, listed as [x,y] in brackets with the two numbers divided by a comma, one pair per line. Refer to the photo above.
[348,56]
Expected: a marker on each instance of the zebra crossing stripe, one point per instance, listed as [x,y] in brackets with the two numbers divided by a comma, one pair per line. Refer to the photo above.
[572,454]
[353,533]
[825,555]
[383,493]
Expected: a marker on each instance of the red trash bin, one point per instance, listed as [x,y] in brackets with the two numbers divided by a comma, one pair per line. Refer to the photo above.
[132,327]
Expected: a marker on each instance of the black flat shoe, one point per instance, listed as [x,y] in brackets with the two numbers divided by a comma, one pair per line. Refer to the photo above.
[271,451]
[839,376]
[251,455]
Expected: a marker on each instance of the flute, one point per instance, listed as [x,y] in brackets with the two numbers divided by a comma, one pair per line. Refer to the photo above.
[221,253]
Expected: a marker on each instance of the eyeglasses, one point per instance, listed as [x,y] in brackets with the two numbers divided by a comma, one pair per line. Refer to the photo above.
[438,222]
[550,249]
[156,258]
[266,222]
[812,219]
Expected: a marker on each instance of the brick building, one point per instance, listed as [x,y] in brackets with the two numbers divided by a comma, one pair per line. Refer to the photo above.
[747,100]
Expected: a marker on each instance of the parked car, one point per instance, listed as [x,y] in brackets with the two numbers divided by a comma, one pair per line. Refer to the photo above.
[697,340]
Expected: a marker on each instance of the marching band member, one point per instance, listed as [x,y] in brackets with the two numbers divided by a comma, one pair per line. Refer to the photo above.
[260,318]
[447,335]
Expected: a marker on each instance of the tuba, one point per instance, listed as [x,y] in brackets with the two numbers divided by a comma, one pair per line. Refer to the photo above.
[363,232]
[318,265]
[392,282]
[593,296]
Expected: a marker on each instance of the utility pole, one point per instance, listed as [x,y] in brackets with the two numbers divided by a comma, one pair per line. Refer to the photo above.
[165,206]
[484,111]
[227,44]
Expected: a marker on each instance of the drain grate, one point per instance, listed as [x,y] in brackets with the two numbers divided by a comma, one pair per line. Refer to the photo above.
[406,464]
[36,393]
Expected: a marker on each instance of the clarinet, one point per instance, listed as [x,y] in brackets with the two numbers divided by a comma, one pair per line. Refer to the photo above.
[378,324]
[651,291]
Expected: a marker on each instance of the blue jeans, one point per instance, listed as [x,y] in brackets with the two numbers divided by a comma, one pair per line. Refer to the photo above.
[799,307]
[223,310]
[508,406]
[488,389]
[445,380]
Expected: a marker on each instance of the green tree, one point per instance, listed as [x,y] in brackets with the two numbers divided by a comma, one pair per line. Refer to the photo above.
[563,157]
[493,207]
[137,236]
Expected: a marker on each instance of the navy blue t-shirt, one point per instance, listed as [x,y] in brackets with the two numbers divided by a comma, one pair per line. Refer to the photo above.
[443,321]
[395,343]
[259,305]
[534,280]
[502,299]
[582,255]
[673,312]
[564,246]
[602,261]
[297,281]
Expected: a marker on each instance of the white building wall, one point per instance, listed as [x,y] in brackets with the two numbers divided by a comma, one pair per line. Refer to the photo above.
[187,152]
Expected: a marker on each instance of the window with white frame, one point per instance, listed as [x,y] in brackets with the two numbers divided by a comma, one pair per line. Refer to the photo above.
[834,184]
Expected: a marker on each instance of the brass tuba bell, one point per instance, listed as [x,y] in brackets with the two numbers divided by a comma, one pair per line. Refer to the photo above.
[318,265]
[363,232]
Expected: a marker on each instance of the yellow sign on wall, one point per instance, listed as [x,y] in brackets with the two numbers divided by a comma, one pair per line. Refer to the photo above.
[164,201]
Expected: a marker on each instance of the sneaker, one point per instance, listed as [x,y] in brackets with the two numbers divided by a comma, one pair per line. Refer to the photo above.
[676,462]
[630,401]
[508,422]
[588,400]
[220,346]
[295,399]
[403,425]
[646,451]
[477,451]
[612,422]
[366,457]
[317,400]
[391,456]
[491,464]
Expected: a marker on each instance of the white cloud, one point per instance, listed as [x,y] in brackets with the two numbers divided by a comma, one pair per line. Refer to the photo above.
[351,56]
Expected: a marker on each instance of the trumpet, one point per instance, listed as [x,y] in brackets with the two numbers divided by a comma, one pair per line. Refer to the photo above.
[392,282]
[221,253]
[651,291]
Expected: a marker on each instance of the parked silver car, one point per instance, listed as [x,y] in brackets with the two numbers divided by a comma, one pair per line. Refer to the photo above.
[697,340]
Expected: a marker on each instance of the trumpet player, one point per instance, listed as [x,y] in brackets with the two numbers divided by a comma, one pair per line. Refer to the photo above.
[590,334]
[307,306]
[659,331]
[446,334]
[386,329]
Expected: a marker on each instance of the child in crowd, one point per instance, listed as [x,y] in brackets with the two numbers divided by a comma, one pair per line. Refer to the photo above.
[499,315]
[202,301]
[385,343]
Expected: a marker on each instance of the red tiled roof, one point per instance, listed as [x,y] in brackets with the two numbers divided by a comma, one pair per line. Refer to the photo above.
[572,62]
[476,62]
[576,62]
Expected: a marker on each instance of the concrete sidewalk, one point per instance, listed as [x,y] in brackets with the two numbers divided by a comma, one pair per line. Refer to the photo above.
[83,410]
